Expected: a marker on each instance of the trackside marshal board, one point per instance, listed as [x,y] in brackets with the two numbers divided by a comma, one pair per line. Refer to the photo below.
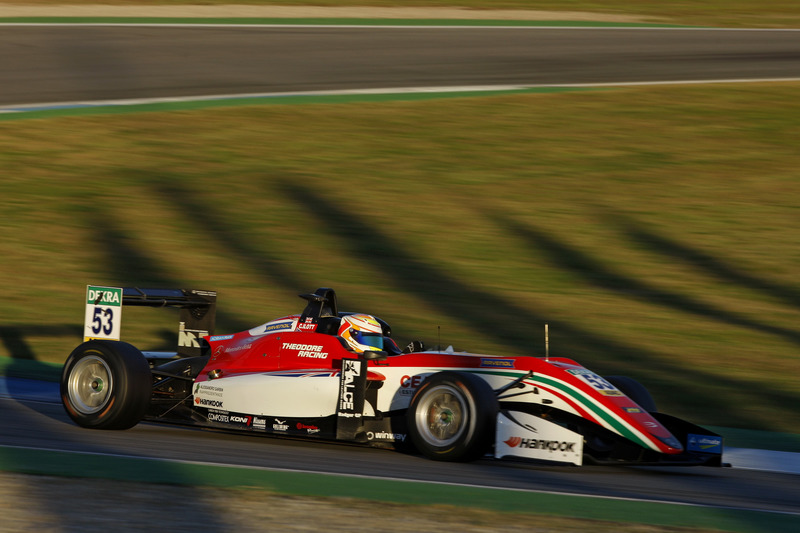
[103,313]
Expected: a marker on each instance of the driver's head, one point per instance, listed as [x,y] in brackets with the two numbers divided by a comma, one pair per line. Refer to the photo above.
[361,332]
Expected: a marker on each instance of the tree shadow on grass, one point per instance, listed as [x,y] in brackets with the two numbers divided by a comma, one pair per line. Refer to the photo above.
[703,262]
[668,377]
[16,339]
[128,265]
[593,272]
[501,319]
[215,228]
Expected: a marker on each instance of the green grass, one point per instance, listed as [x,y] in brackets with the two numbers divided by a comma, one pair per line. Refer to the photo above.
[654,229]
[730,13]
[267,496]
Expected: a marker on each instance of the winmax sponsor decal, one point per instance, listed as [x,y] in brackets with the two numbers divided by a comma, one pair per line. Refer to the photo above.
[385,435]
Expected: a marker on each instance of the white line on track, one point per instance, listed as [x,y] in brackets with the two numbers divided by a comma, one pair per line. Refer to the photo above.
[49,106]
[388,26]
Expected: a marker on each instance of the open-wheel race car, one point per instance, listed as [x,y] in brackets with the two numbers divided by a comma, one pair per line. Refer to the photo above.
[330,375]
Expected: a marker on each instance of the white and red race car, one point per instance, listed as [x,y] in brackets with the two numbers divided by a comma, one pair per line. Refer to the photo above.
[298,376]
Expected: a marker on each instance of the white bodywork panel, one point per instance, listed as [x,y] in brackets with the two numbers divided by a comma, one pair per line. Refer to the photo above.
[297,394]
[535,438]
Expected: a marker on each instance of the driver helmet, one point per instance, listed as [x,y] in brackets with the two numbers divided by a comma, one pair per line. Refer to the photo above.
[362,333]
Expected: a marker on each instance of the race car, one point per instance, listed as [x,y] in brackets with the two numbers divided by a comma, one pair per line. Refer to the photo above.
[330,375]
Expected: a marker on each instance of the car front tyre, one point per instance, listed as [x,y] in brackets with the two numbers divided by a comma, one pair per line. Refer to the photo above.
[635,391]
[106,385]
[452,417]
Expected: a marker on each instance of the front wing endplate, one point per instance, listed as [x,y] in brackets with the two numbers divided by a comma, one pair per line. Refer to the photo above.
[522,435]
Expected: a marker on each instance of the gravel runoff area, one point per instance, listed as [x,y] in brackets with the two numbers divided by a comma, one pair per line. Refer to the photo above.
[224,11]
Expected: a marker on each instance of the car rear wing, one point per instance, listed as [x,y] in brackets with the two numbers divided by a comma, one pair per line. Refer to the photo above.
[196,320]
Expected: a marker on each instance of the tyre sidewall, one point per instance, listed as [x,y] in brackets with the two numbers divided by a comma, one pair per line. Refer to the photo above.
[635,391]
[130,389]
[480,406]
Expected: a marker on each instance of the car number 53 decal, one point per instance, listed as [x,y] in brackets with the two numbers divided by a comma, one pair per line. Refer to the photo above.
[597,382]
[103,313]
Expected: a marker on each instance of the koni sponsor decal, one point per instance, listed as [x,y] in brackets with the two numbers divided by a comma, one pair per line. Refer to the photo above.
[310,429]
[313,351]
[242,419]
[228,418]
[541,444]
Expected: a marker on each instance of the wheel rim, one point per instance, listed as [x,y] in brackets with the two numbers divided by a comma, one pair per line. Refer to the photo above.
[441,416]
[90,385]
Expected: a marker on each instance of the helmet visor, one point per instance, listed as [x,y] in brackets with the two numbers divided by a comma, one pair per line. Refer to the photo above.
[373,340]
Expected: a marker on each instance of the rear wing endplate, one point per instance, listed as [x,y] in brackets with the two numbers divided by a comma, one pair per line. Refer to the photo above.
[197,312]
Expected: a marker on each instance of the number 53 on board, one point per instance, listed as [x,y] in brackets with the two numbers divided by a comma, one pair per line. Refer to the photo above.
[103,313]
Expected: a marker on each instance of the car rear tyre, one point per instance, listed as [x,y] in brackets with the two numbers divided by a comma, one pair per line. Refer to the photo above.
[452,417]
[106,385]
[635,391]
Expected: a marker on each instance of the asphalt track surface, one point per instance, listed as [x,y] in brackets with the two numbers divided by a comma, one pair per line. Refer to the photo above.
[60,63]
[44,425]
